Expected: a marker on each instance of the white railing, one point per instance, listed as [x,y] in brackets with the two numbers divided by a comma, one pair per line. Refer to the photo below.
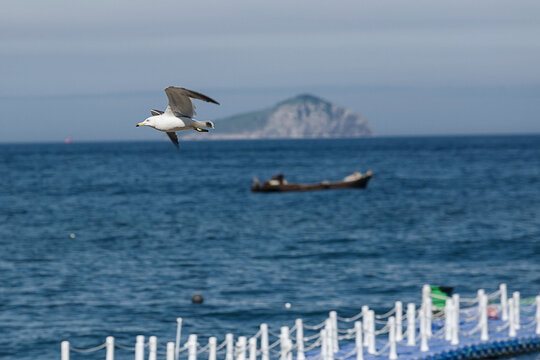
[324,344]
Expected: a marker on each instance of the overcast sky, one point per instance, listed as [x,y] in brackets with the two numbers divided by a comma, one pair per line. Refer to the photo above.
[409,67]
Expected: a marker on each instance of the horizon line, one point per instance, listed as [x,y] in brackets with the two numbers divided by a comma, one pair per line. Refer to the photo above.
[96,141]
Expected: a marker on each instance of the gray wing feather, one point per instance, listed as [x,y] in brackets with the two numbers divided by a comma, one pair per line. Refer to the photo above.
[180,100]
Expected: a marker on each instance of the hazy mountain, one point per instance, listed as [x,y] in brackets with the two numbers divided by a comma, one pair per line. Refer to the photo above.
[304,116]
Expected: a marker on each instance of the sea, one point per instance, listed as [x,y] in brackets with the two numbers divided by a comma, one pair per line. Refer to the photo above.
[114,239]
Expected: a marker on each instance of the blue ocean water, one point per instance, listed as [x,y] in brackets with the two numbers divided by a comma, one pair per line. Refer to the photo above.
[154,226]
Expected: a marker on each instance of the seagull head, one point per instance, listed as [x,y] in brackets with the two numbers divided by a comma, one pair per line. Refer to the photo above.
[147,122]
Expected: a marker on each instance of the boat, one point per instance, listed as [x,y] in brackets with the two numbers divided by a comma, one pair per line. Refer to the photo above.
[279,184]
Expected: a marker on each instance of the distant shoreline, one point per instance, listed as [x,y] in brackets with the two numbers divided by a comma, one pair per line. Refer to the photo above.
[210,139]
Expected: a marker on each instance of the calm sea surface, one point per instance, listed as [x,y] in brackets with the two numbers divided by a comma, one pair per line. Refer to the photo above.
[154,226]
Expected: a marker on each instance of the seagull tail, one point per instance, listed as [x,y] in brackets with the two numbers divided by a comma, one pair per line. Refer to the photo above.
[204,124]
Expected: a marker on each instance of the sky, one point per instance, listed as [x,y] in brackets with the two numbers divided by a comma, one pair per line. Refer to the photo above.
[92,70]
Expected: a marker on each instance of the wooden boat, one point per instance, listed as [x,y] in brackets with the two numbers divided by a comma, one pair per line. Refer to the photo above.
[278,184]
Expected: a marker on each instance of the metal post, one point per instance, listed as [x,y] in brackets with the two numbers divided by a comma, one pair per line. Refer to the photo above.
[229,352]
[329,335]
[324,344]
[139,348]
[538,315]
[365,310]
[504,302]
[455,319]
[335,343]
[426,304]
[358,340]
[241,348]
[448,320]
[152,348]
[371,332]
[329,342]
[516,309]
[411,324]
[423,330]
[284,340]
[428,313]
[252,348]
[399,321]
[392,338]
[479,295]
[178,335]
[192,347]
[212,344]
[264,342]
[64,350]
[109,348]
[426,293]
[170,350]
[484,335]
[299,340]
[511,320]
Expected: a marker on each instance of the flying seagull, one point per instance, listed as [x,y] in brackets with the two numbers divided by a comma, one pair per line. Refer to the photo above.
[178,115]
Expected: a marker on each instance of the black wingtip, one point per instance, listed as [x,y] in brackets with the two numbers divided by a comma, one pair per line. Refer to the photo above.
[174,138]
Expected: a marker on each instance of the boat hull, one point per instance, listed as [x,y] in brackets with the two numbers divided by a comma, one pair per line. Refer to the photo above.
[357,184]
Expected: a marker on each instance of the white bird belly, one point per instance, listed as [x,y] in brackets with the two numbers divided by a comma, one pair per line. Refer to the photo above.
[173,123]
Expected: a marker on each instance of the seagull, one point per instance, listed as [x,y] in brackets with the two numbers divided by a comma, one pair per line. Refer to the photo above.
[179,113]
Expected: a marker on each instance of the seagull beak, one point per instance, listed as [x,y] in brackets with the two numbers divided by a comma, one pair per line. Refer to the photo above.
[140,124]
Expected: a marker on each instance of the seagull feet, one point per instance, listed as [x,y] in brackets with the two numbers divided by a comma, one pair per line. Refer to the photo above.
[201,130]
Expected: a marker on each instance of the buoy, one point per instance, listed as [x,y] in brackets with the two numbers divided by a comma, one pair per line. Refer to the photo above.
[287,305]
[492,313]
[197,299]
[72,235]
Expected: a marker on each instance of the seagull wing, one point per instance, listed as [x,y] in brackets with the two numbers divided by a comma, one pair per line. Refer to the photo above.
[180,100]
[156,112]
[174,139]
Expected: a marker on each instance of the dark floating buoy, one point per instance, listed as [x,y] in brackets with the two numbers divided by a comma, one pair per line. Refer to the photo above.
[197,299]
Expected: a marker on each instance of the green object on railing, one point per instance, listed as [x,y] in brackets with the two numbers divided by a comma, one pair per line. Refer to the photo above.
[441,293]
